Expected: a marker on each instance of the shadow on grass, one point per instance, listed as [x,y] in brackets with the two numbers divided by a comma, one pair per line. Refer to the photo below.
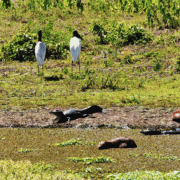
[53,78]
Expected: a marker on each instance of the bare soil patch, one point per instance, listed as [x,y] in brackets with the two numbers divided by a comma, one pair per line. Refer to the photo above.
[115,117]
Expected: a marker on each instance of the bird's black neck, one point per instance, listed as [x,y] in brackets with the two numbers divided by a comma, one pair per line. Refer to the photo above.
[40,38]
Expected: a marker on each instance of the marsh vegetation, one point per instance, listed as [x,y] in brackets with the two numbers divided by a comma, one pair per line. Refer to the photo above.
[130,57]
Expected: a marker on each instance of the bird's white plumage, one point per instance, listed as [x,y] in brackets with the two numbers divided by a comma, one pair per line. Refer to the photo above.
[75,48]
[40,51]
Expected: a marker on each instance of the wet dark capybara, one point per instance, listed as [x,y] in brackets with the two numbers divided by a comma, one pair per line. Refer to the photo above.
[73,114]
[120,142]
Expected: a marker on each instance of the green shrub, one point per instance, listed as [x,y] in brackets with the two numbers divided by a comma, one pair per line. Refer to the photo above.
[135,35]
[21,47]
[100,31]
[6,3]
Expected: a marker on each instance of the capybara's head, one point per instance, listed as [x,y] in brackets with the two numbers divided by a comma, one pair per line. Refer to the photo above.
[56,112]
[104,145]
[131,144]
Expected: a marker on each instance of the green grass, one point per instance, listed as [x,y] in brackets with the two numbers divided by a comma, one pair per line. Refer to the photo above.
[137,175]
[114,73]
[25,169]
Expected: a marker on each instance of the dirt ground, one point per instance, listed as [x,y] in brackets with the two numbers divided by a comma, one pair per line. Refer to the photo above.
[115,117]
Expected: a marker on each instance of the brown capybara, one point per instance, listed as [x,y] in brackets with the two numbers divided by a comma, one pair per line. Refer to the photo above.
[120,142]
[176,116]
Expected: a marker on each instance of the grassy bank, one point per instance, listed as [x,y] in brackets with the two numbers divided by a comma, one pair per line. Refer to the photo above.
[125,60]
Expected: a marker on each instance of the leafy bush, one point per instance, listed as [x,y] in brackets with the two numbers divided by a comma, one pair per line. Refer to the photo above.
[133,35]
[100,31]
[22,47]
[122,35]
[6,3]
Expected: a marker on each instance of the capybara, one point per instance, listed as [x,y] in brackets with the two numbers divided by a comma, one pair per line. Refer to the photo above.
[120,142]
[73,114]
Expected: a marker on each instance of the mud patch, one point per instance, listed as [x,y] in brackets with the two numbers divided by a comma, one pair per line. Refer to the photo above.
[115,117]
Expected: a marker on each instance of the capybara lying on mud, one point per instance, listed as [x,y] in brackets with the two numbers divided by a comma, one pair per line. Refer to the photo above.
[73,114]
[120,142]
[176,116]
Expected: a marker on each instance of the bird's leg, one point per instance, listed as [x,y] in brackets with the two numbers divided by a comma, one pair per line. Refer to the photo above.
[72,67]
[79,65]
[38,70]
[43,69]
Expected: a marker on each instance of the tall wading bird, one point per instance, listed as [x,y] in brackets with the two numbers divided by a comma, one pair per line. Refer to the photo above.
[40,51]
[75,48]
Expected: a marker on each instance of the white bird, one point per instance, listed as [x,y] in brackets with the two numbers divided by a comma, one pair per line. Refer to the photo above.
[40,50]
[75,47]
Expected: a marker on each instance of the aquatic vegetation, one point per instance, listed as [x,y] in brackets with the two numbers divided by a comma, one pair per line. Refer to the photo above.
[90,160]
[70,142]
[140,175]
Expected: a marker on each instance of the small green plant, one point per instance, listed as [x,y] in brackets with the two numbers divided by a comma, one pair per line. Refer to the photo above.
[109,81]
[127,60]
[70,142]
[151,54]
[31,4]
[90,160]
[156,156]
[157,65]
[108,63]
[79,5]
[46,4]
[25,150]
[65,70]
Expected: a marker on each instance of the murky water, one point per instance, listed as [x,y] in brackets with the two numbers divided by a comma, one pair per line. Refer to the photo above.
[151,153]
